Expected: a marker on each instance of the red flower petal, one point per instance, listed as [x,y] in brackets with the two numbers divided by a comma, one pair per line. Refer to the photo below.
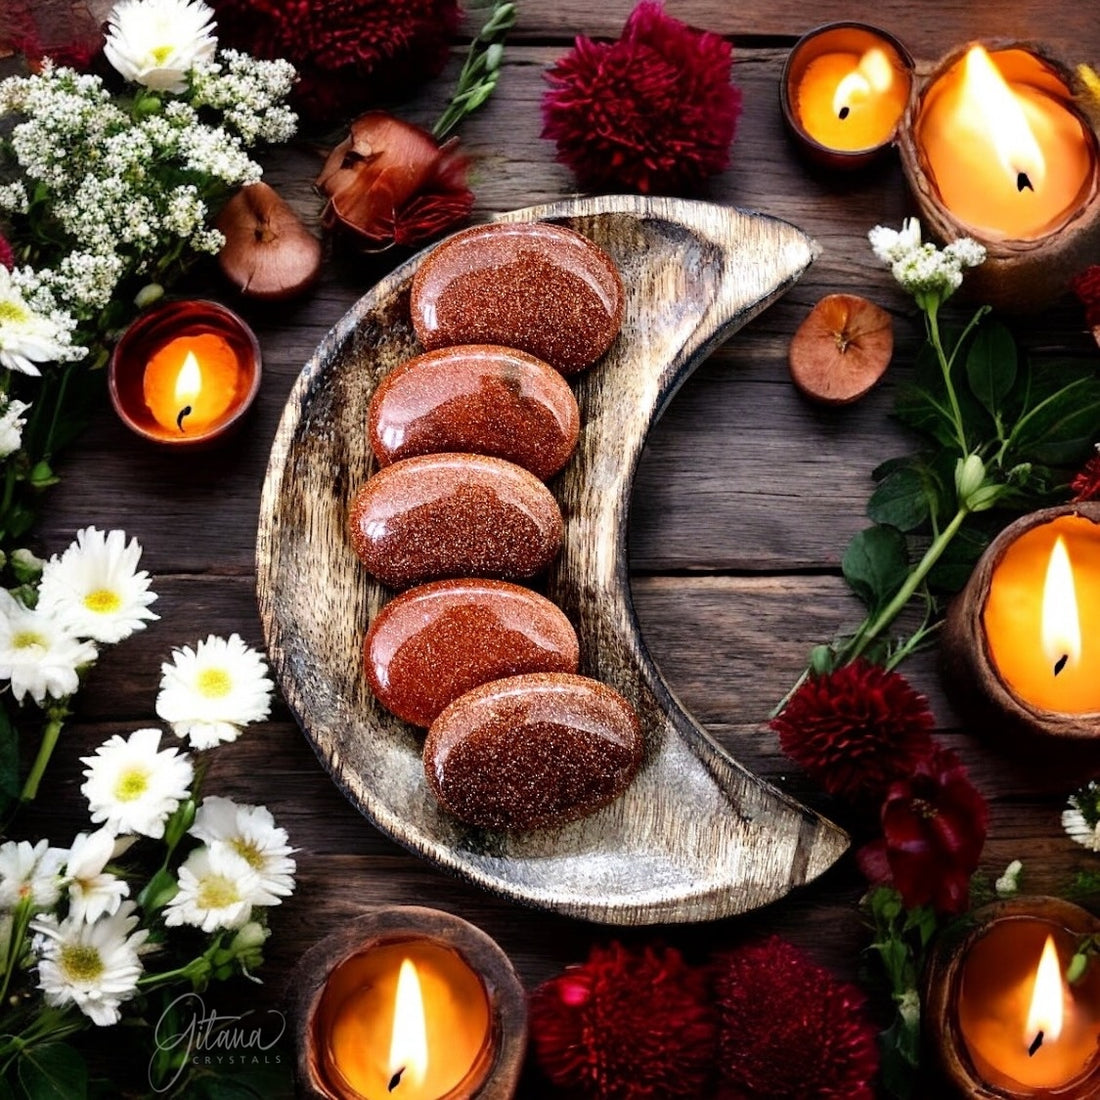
[1086,485]
[1087,288]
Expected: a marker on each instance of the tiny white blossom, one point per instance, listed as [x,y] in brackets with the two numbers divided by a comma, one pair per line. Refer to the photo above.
[211,692]
[94,966]
[217,889]
[926,272]
[251,832]
[38,654]
[132,787]
[95,587]
[156,42]
[890,245]
[966,251]
[12,423]
[1081,820]
[93,892]
[30,871]
[29,337]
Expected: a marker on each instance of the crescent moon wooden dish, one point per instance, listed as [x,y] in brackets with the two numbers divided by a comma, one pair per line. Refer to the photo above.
[696,836]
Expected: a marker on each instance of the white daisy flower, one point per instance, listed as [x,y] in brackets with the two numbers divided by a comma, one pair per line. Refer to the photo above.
[251,832]
[93,892]
[157,42]
[133,788]
[211,692]
[95,587]
[39,654]
[12,423]
[30,871]
[94,966]
[217,889]
[28,337]
[1082,819]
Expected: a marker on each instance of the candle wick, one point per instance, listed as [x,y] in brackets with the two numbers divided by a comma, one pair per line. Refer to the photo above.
[1060,663]
[1022,182]
[1036,1043]
[185,411]
[395,1080]
[844,112]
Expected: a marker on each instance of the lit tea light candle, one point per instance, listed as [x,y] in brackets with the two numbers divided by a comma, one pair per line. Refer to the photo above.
[843,92]
[184,373]
[409,1004]
[1006,1021]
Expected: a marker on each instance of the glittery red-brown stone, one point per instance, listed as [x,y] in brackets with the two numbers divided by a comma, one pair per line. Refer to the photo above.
[454,515]
[437,641]
[531,751]
[537,287]
[478,398]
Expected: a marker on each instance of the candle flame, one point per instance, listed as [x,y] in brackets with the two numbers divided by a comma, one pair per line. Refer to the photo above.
[874,73]
[1046,1011]
[409,1042]
[1061,624]
[189,380]
[1000,113]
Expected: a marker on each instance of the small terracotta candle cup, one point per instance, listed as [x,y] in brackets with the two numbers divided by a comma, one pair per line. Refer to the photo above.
[185,373]
[1021,643]
[995,147]
[843,93]
[1002,1017]
[409,1003]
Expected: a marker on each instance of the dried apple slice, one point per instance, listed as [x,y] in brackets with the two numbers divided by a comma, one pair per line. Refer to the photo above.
[842,349]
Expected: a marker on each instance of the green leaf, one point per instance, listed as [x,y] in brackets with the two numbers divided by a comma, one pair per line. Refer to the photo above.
[53,1071]
[876,564]
[1059,431]
[900,500]
[991,366]
[950,574]
[9,761]
[898,1061]
[918,409]
[6,1092]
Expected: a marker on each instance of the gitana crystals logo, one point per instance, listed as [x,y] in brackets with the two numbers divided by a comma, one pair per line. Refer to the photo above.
[208,1039]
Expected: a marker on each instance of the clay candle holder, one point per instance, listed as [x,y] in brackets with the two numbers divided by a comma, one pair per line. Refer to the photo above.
[409,1004]
[994,147]
[843,93]
[999,1012]
[1021,642]
[185,373]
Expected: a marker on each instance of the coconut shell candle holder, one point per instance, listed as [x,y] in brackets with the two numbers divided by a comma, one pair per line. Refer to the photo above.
[995,147]
[408,1003]
[1021,642]
[999,1011]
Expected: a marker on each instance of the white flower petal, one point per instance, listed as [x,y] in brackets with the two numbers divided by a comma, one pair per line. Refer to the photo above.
[157,42]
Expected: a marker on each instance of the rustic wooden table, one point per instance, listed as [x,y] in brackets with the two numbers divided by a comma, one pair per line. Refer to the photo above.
[745,500]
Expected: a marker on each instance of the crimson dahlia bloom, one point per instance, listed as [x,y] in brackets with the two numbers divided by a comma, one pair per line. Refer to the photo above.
[856,729]
[1087,288]
[652,112]
[789,1030]
[1086,484]
[7,259]
[934,826]
[626,1025]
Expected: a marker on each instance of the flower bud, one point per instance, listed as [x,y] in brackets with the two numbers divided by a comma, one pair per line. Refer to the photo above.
[26,566]
[150,293]
[969,478]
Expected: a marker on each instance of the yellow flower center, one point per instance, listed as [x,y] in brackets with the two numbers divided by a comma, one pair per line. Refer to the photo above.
[132,783]
[161,54]
[248,851]
[27,639]
[214,683]
[81,963]
[102,601]
[12,312]
[217,892]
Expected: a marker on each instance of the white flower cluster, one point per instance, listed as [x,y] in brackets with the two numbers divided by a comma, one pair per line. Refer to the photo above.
[12,423]
[1081,819]
[249,92]
[926,272]
[33,328]
[91,593]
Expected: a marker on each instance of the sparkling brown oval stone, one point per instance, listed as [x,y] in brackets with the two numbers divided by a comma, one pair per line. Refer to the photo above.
[454,515]
[532,750]
[437,641]
[476,398]
[534,286]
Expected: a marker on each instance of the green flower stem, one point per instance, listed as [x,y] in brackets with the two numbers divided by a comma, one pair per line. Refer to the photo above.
[55,722]
[20,922]
[932,309]
[874,626]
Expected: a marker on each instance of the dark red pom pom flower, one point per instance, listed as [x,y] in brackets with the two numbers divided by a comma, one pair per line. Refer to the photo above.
[7,259]
[1086,484]
[347,52]
[1087,287]
[934,826]
[856,729]
[626,1025]
[652,112]
[789,1030]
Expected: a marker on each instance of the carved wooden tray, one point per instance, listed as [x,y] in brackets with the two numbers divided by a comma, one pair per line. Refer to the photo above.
[696,836]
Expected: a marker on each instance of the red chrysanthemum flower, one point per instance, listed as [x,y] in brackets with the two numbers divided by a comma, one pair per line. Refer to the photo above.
[652,112]
[933,826]
[626,1025]
[7,258]
[856,729]
[789,1030]
[348,53]
[1086,484]
[1087,287]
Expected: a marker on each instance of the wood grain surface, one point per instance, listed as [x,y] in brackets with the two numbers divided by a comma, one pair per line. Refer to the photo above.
[744,500]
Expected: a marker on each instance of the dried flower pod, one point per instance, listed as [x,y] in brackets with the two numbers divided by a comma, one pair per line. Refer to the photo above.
[389,182]
[268,252]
